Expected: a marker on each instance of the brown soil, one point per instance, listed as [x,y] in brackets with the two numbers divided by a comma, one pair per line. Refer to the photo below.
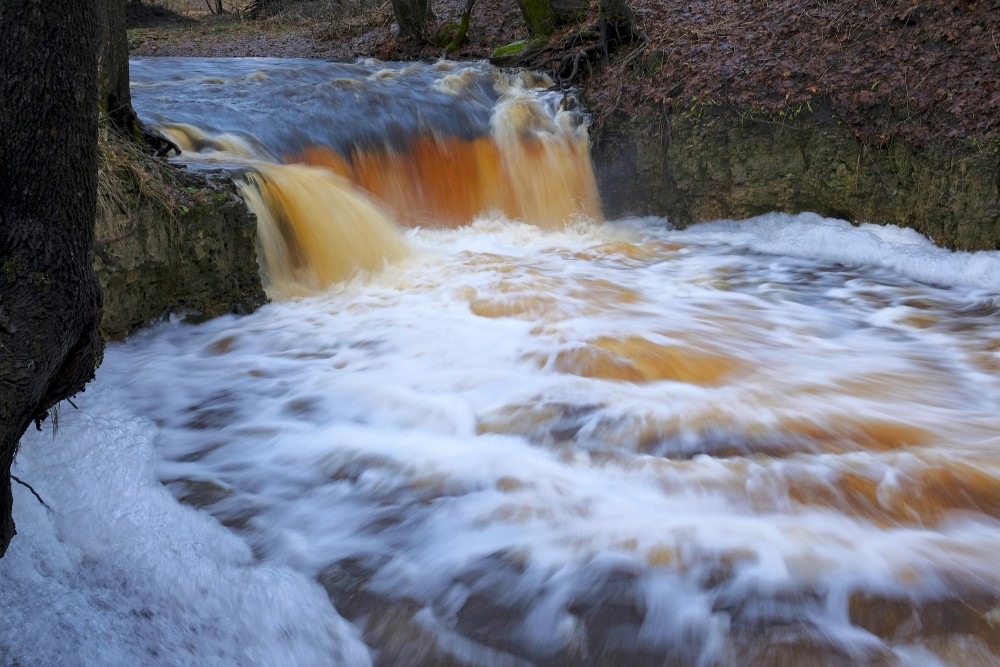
[928,71]
[924,72]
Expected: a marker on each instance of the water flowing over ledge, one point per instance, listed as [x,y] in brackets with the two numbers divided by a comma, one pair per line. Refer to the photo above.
[767,442]
[382,144]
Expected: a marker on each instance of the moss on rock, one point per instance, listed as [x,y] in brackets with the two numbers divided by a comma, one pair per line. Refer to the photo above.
[694,164]
[445,34]
[509,54]
[198,260]
[539,16]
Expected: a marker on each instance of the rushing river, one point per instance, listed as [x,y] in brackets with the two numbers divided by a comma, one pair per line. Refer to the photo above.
[492,429]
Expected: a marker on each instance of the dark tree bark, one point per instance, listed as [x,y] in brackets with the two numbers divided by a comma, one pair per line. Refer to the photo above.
[50,299]
[538,15]
[463,27]
[116,98]
[412,17]
[113,77]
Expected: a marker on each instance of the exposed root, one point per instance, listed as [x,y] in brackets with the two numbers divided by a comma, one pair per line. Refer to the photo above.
[581,50]
[158,143]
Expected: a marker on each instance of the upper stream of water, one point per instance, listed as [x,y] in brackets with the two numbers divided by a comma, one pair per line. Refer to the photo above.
[493,429]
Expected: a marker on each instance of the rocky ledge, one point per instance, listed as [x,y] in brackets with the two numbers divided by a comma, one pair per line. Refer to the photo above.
[192,254]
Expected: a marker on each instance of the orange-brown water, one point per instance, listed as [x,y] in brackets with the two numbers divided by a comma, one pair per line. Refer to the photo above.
[303,249]
[501,433]
[531,163]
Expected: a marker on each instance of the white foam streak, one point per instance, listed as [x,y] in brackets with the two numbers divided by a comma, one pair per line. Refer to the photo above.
[811,236]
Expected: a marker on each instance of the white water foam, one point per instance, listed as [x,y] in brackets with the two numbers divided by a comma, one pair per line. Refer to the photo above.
[386,423]
[811,236]
[120,573]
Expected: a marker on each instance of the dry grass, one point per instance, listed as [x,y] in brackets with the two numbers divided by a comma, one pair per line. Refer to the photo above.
[126,174]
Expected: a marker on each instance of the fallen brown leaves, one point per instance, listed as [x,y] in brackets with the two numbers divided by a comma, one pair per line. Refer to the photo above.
[920,71]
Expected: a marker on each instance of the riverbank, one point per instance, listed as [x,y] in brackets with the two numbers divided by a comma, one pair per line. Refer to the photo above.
[170,242]
[922,73]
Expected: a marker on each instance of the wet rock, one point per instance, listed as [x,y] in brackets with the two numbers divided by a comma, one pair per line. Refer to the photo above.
[199,492]
[697,165]
[198,259]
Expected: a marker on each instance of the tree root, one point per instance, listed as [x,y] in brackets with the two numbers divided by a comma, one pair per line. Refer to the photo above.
[579,51]
[158,143]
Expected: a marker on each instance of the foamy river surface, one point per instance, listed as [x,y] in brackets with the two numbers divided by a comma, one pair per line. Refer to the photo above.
[767,442]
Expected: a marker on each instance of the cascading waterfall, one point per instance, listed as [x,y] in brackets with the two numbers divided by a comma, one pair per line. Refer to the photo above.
[492,429]
[520,155]
[302,248]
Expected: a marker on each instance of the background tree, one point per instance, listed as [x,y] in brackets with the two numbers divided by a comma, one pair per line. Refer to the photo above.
[50,299]
[115,96]
[412,17]
[617,25]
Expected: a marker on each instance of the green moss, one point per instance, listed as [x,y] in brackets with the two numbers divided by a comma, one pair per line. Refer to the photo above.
[136,37]
[511,49]
[539,15]
[509,54]
[445,34]
[459,34]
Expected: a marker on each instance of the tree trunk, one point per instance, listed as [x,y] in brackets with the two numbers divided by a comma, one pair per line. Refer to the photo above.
[116,99]
[412,17]
[463,27]
[538,15]
[50,300]
[113,77]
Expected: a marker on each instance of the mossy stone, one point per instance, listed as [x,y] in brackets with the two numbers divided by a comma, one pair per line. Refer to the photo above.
[539,16]
[445,34]
[705,163]
[509,54]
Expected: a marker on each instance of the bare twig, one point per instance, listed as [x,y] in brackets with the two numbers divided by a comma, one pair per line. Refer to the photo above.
[630,58]
[33,492]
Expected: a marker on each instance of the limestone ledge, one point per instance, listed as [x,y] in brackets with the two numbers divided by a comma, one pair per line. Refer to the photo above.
[695,165]
[198,259]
